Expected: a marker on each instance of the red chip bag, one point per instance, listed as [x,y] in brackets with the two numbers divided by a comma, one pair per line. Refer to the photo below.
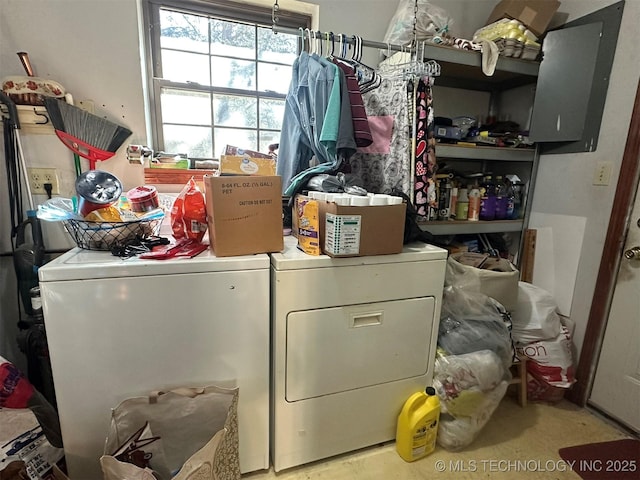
[189,214]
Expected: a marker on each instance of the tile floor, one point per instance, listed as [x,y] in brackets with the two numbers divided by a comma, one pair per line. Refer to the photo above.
[516,443]
[531,435]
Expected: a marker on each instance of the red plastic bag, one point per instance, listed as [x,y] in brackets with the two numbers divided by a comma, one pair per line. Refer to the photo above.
[189,213]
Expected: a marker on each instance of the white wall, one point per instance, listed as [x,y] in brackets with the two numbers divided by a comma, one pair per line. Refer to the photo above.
[564,183]
[91,47]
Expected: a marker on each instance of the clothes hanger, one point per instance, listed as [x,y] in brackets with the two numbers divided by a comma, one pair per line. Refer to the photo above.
[301,39]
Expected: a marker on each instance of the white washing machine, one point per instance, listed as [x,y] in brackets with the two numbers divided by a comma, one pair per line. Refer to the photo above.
[121,328]
[352,339]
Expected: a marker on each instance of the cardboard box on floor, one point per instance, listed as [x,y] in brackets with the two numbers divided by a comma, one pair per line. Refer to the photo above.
[350,231]
[535,14]
[244,214]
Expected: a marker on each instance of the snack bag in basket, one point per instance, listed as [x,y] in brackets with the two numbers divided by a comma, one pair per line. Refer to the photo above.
[189,214]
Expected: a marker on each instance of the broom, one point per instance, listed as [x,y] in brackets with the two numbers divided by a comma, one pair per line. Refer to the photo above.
[92,137]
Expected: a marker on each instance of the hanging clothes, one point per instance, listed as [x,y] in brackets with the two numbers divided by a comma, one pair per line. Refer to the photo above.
[317,123]
[361,129]
[402,156]
[380,169]
[425,195]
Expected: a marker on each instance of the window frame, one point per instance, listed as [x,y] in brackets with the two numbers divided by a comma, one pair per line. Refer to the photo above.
[223,9]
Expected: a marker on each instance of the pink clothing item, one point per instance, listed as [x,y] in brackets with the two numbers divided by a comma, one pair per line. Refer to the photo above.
[381,129]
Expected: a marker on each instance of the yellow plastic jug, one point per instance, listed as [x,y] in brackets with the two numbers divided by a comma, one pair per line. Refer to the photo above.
[418,425]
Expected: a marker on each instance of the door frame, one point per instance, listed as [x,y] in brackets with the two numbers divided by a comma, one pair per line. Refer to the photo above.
[610,262]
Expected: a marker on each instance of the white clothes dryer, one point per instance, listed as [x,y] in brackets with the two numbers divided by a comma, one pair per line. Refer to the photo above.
[352,339]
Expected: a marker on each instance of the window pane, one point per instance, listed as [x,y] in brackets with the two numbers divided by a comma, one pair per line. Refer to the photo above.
[182,106]
[268,138]
[271,113]
[274,78]
[234,111]
[185,67]
[246,139]
[194,141]
[231,73]
[280,48]
[233,39]
[184,32]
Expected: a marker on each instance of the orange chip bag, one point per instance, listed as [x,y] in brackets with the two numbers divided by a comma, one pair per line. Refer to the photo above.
[189,214]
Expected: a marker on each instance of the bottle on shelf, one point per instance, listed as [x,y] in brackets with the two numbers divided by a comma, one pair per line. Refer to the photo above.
[474,203]
[510,203]
[444,199]
[453,201]
[518,200]
[462,206]
[501,199]
[487,199]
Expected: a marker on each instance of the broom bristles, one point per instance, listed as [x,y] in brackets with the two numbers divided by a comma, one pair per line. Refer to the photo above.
[91,129]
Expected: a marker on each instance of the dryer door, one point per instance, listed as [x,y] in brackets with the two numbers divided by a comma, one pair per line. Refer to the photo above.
[332,350]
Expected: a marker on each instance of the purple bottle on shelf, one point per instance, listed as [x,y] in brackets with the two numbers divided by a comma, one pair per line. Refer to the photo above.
[487,199]
[502,199]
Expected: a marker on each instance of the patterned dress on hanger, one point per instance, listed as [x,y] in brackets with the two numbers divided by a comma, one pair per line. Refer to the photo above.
[384,172]
[425,196]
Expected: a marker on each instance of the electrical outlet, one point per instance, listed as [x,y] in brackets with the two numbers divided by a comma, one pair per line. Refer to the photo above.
[602,173]
[39,176]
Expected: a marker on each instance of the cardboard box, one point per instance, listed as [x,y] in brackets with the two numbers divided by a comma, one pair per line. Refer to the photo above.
[535,14]
[349,231]
[244,214]
[244,165]
[231,150]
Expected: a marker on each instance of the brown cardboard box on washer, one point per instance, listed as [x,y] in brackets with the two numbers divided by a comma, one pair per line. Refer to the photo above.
[244,214]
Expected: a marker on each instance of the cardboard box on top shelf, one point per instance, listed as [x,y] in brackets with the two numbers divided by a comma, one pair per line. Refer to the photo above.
[535,14]
[352,231]
[244,214]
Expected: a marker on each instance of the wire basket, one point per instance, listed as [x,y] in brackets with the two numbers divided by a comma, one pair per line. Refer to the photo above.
[107,235]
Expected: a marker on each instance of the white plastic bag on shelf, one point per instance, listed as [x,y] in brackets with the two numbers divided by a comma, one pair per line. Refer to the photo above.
[430,21]
[535,316]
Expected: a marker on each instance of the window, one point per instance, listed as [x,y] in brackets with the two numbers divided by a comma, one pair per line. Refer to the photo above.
[219,75]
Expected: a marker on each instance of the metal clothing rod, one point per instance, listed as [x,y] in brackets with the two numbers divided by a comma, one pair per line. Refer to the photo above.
[348,39]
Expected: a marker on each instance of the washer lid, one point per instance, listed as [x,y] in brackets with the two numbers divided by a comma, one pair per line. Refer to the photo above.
[79,264]
[292,258]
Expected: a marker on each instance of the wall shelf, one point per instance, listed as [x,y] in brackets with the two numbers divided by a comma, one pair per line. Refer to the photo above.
[445,150]
[454,227]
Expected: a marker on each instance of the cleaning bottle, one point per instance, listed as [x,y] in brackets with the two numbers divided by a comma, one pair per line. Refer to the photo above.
[418,425]
[474,203]
[487,199]
[462,204]
[502,198]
